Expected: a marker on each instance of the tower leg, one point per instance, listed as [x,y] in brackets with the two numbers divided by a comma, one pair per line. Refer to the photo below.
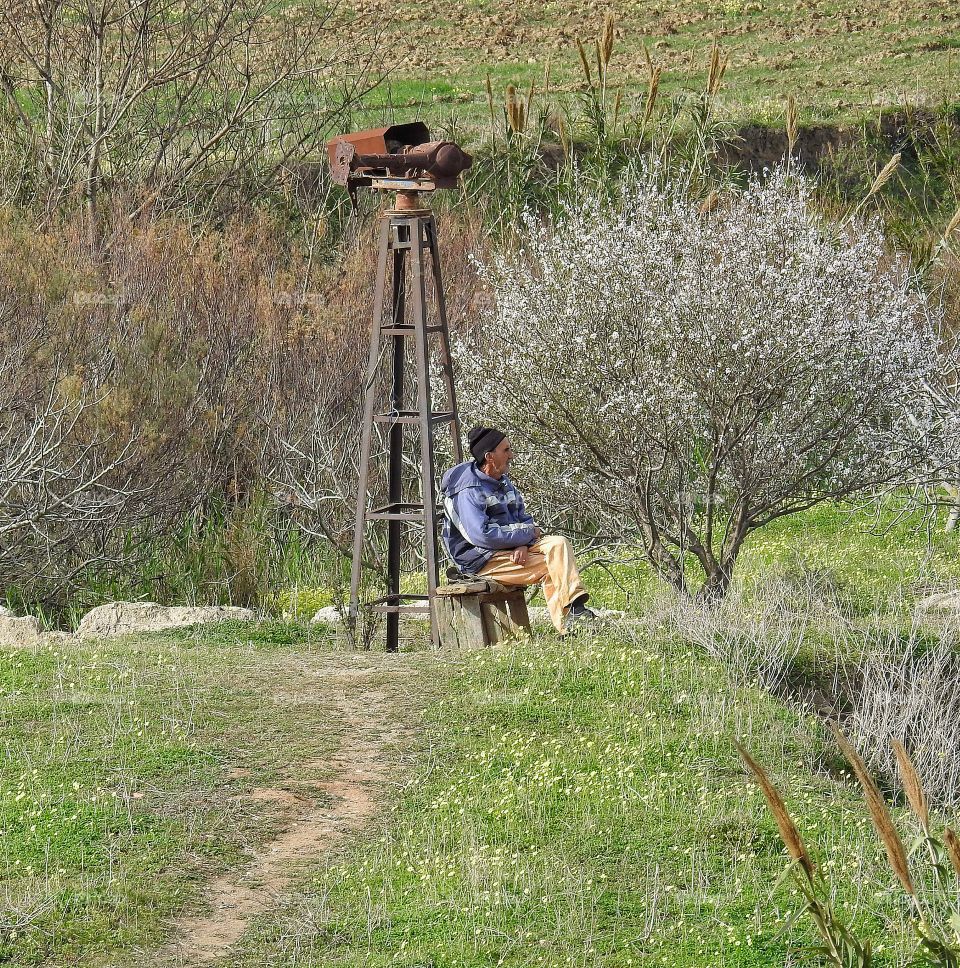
[445,356]
[395,487]
[424,408]
[366,434]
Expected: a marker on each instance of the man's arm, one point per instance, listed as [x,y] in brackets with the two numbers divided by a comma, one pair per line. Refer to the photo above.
[520,555]
[522,512]
[475,524]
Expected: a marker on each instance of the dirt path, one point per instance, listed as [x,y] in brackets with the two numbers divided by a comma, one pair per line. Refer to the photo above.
[318,815]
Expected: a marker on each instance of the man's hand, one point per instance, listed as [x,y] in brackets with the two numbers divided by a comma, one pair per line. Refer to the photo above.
[537,532]
[520,555]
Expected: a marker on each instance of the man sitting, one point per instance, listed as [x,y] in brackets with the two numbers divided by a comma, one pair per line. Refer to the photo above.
[488,531]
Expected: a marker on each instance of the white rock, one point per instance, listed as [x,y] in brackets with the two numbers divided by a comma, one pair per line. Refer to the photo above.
[609,613]
[6,611]
[328,615]
[57,638]
[941,602]
[539,615]
[19,632]
[123,618]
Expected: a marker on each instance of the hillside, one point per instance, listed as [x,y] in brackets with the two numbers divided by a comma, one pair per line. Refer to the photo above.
[841,60]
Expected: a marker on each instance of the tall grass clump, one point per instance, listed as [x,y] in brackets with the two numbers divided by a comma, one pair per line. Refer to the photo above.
[891,673]
[754,645]
[906,688]
[928,874]
[544,145]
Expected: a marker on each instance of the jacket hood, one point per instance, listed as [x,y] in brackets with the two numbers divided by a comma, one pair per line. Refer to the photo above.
[459,477]
[467,475]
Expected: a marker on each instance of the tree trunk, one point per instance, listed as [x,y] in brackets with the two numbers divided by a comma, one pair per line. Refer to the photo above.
[664,563]
[720,573]
[953,517]
[670,570]
[92,187]
[716,586]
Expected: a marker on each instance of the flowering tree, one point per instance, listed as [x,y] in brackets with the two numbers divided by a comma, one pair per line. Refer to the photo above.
[685,376]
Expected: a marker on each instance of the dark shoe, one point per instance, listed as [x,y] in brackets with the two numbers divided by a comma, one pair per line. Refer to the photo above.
[579,615]
[579,607]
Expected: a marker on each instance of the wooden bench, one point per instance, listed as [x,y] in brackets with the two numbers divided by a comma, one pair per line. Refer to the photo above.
[472,614]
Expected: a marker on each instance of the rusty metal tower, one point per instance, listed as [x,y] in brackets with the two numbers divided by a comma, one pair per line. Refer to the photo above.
[402,159]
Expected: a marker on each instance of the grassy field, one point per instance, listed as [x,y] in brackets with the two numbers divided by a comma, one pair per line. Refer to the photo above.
[873,562]
[585,806]
[841,60]
[561,802]
[129,770]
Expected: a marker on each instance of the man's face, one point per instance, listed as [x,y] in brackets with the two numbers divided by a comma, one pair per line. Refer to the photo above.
[500,457]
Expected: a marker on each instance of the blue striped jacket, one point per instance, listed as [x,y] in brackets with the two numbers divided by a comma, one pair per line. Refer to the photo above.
[483,515]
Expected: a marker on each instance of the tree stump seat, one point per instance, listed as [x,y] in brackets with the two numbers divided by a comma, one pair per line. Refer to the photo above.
[478,612]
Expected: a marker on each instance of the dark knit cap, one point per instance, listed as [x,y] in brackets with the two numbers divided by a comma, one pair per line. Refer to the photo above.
[482,440]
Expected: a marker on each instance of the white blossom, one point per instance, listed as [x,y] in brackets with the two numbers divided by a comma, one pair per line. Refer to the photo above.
[684,378]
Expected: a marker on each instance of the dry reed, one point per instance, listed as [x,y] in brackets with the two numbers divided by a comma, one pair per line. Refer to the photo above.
[886,173]
[952,842]
[653,86]
[952,225]
[911,785]
[584,63]
[565,143]
[606,41]
[788,831]
[792,130]
[515,111]
[879,813]
[718,66]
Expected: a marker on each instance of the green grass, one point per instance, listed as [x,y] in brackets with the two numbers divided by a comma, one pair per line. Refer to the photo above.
[841,60]
[583,805]
[118,789]
[562,802]
[872,562]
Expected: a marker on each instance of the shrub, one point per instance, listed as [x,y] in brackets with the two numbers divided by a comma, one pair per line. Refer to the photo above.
[908,691]
[160,395]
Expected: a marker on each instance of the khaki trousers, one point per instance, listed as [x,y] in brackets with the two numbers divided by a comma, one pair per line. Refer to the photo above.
[550,561]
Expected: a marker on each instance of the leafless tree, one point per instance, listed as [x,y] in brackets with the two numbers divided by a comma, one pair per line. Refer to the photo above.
[64,491]
[179,99]
[312,464]
[61,501]
[309,413]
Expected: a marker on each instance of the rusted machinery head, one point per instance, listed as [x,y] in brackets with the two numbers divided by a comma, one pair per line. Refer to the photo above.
[399,158]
